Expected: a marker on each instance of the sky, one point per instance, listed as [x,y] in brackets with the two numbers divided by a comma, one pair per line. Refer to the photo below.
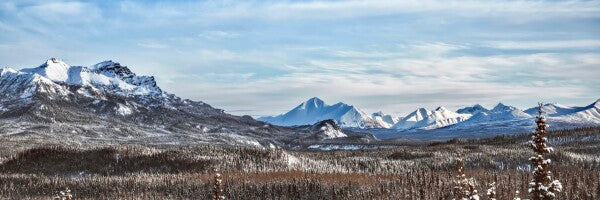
[265,57]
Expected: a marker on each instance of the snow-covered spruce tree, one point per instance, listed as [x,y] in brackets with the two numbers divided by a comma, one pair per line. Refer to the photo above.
[542,187]
[491,192]
[465,188]
[217,189]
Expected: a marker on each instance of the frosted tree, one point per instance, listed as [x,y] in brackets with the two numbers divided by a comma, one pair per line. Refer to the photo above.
[217,189]
[465,188]
[491,192]
[64,195]
[517,197]
[541,187]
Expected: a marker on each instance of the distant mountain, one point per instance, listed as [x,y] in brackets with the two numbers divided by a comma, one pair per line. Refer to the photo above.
[315,110]
[500,112]
[107,102]
[472,109]
[425,119]
[554,109]
[387,121]
[578,115]
[327,129]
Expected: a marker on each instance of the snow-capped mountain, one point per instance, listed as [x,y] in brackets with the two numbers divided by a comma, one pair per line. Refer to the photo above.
[315,110]
[411,119]
[554,109]
[426,119]
[583,115]
[500,112]
[387,121]
[472,109]
[327,129]
[108,102]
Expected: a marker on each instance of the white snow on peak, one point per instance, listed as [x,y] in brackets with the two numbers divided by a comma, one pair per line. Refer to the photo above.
[387,121]
[312,104]
[107,75]
[331,132]
[53,69]
[553,109]
[315,110]
[7,70]
[409,120]
[582,115]
[500,112]
[426,119]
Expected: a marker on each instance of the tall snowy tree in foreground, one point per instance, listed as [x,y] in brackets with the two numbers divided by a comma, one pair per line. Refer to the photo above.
[542,187]
[465,188]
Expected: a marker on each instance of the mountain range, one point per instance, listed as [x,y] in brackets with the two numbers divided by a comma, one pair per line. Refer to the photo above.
[315,110]
[108,103]
[422,119]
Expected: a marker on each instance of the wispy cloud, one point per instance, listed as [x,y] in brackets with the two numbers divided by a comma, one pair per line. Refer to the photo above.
[152,45]
[380,55]
[547,45]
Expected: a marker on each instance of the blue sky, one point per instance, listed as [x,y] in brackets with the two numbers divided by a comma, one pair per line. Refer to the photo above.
[265,57]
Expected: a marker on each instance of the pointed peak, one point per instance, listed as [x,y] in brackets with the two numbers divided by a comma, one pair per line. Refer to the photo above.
[472,109]
[312,103]
[441,108]
[314,99]
[500,106]
[422,111]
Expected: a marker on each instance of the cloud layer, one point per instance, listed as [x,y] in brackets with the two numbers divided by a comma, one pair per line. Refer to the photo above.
[263,57]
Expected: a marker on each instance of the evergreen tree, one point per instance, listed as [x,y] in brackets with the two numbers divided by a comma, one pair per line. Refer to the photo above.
[465,188]
[491,192]
[542,187]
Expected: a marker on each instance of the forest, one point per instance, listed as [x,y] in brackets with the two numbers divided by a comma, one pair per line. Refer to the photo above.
[407,171]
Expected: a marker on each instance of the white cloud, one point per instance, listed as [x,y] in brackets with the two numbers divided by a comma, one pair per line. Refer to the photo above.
[152,45]
[217,34]
[62,12]
[404,83]
[546,45]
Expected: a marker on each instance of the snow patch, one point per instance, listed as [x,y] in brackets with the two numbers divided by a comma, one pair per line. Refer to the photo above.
[124,110]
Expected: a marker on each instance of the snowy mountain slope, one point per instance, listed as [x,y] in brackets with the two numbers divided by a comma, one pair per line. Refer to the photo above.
[387,121]
[107,102]
[500,112]
[411,119]
[425,119]
[581,115]
[327,129]
[315,110]
[554,109]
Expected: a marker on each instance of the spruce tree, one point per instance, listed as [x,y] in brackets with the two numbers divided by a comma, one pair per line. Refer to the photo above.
[542,187]
[465,188]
